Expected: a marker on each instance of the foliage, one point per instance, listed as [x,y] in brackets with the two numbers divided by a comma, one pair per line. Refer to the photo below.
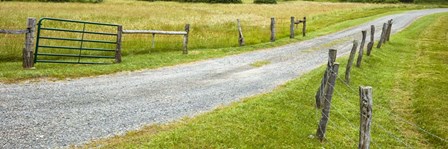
[265,1]
[372,1]
[202,1]
[82,1]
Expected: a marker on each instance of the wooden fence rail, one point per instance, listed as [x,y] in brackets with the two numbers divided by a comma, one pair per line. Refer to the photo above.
[154,32]
[27,52]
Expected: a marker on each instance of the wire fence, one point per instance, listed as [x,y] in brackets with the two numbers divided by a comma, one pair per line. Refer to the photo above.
[386,132]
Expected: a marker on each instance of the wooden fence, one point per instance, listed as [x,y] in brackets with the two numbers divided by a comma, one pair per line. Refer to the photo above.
[326,88]
[27,52]
[273,33]
[154,32]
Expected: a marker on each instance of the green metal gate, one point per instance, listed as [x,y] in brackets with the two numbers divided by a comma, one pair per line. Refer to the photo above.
[75,53]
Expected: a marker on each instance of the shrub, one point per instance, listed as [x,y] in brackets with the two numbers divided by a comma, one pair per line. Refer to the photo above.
[201,1]
[82,1]
[265,1]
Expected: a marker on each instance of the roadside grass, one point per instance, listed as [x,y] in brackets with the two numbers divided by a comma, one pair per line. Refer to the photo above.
[260,63]
[407,74]
[210,38]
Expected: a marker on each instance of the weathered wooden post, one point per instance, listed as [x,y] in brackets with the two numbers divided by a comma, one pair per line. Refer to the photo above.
[291,28]
[372,40]
[350,61]
[118,48]
[272,29]
[185,43]
[153,40]
[304,27]
[27,52]
[321,90]
[361,49]
[365,94]
[383,33]
[389,29]
[321,130]
[240,33]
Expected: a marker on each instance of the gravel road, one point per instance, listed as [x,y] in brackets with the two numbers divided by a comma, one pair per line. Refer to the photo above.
[61,113]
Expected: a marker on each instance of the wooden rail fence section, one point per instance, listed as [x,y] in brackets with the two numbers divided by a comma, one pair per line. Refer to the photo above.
[272,27]
[154,32]
[27,52]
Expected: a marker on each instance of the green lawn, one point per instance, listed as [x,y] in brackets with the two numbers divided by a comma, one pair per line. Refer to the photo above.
[210,38]
[408,76]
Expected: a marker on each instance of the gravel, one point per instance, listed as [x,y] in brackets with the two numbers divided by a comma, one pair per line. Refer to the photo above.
[70,112]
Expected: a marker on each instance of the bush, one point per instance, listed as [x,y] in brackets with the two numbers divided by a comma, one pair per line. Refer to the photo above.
[372,1]
[265,1]
[201,1]
[82,1]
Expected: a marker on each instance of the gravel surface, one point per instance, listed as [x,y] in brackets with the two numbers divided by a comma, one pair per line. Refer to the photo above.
[57,114]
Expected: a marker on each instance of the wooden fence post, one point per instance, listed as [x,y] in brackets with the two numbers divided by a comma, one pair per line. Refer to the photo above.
[350,61]
[365,94]
[240,33]
[118,48]
[153,40]
[361,49]
[291,28]
[389,29]
[304,27]
[27,52]
[272,29]
[321,90]
[383,32]
[372,40]
[185,43]
[321,130]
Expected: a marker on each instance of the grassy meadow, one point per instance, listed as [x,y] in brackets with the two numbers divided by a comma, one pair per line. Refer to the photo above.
[408,76]
[213,30]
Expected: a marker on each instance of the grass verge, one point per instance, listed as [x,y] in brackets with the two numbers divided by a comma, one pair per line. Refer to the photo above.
[407,74]
[137,56]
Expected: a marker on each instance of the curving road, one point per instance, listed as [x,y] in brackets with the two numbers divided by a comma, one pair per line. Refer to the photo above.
[57,114]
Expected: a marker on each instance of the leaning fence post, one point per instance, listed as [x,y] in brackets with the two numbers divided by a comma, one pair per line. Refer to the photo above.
[365,94]
[118,48]
[389,29]
[321,90]
[272,29]
[372,40]
[185,43]
[327,103]
[361,49]
[304,27]
[27,53]
[240,33]
[291,28]
[350,61]
[383,32]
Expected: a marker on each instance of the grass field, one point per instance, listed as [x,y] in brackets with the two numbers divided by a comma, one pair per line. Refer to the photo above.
[408,76]
[213,32]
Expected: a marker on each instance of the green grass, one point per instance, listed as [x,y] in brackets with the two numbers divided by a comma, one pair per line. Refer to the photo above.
[408,76]
[209,38]
[260,63]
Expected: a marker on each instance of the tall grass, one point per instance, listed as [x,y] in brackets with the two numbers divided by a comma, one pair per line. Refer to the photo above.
[212,26]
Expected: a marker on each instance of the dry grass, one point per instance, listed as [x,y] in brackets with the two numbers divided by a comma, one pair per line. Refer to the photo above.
[213,26]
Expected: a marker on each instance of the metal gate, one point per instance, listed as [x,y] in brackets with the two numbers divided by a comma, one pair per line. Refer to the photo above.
[49,40]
